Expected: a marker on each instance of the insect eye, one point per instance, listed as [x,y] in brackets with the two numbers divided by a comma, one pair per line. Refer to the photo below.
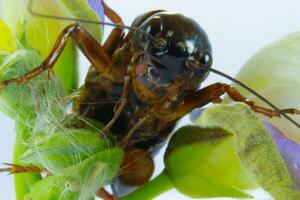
[206,59]
[155,25]
[153,72]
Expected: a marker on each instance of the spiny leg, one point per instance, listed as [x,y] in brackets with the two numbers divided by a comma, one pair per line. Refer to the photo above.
[99,56]
[15,169]
[212,93]
[125,141]
[235,95]
[150,113]
[113,41]
[88,45]
[119,106]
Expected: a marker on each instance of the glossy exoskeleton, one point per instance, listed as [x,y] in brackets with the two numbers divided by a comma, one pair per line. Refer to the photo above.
[141,83]
[162,75]
[162,78]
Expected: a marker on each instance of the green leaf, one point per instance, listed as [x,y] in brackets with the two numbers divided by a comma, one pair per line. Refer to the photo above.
[17,99]
[64,147]
[23,181]
[51,188]
[274,72]
[38,96]
[81,10]
[8,43]
[21,35]
[227,152]
[76,153]
[209,164]
[80,181]
[94,172]
[42,33]
[254,147]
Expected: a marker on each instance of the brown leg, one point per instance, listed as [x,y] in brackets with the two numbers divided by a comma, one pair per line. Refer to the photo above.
[102,193]
[125,141]
[88,45]
[15,169]
[113,41]
[213,92]
[150,113]
[111,14]
[119,106]
[235,95]
[116,36]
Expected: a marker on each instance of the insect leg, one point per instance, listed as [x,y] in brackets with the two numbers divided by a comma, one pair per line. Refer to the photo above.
[120,105]
[235,95]
[88,45]
[212,94]
[15,169]
[116,36]
[103,194]
[125,141]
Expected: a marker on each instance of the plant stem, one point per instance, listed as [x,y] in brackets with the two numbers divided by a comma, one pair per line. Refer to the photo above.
[153,188]
[23,181]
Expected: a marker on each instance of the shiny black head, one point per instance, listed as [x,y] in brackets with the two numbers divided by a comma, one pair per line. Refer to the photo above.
[172,57]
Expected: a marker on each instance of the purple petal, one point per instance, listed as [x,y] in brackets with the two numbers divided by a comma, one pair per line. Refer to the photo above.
[289,150]
[196,113]
[96,5]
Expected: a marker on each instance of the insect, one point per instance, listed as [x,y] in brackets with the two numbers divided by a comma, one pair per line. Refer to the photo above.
[151,76]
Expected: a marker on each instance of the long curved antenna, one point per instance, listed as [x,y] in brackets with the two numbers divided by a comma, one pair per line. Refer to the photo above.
[243,85]
[31,11]
[34,13]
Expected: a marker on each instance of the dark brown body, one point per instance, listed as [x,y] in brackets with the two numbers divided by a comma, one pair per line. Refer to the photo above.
[162,101]
[98,101]
[100,97]
[140,86]
[100,93]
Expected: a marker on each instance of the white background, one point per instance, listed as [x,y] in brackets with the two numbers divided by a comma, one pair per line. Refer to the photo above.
[236,28]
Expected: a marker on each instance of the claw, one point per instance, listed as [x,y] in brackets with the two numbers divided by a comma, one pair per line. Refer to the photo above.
[292,111]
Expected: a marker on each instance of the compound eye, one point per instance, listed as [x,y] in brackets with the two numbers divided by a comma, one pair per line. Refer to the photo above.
[206,59]
[155,26]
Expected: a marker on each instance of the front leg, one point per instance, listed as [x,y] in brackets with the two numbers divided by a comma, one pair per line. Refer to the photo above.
[16,169]
[212,94]
[116,36]
[87,44]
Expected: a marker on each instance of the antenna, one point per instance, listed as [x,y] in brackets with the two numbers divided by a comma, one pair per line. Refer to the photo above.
[243,85]
[32,12]
[87,21]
